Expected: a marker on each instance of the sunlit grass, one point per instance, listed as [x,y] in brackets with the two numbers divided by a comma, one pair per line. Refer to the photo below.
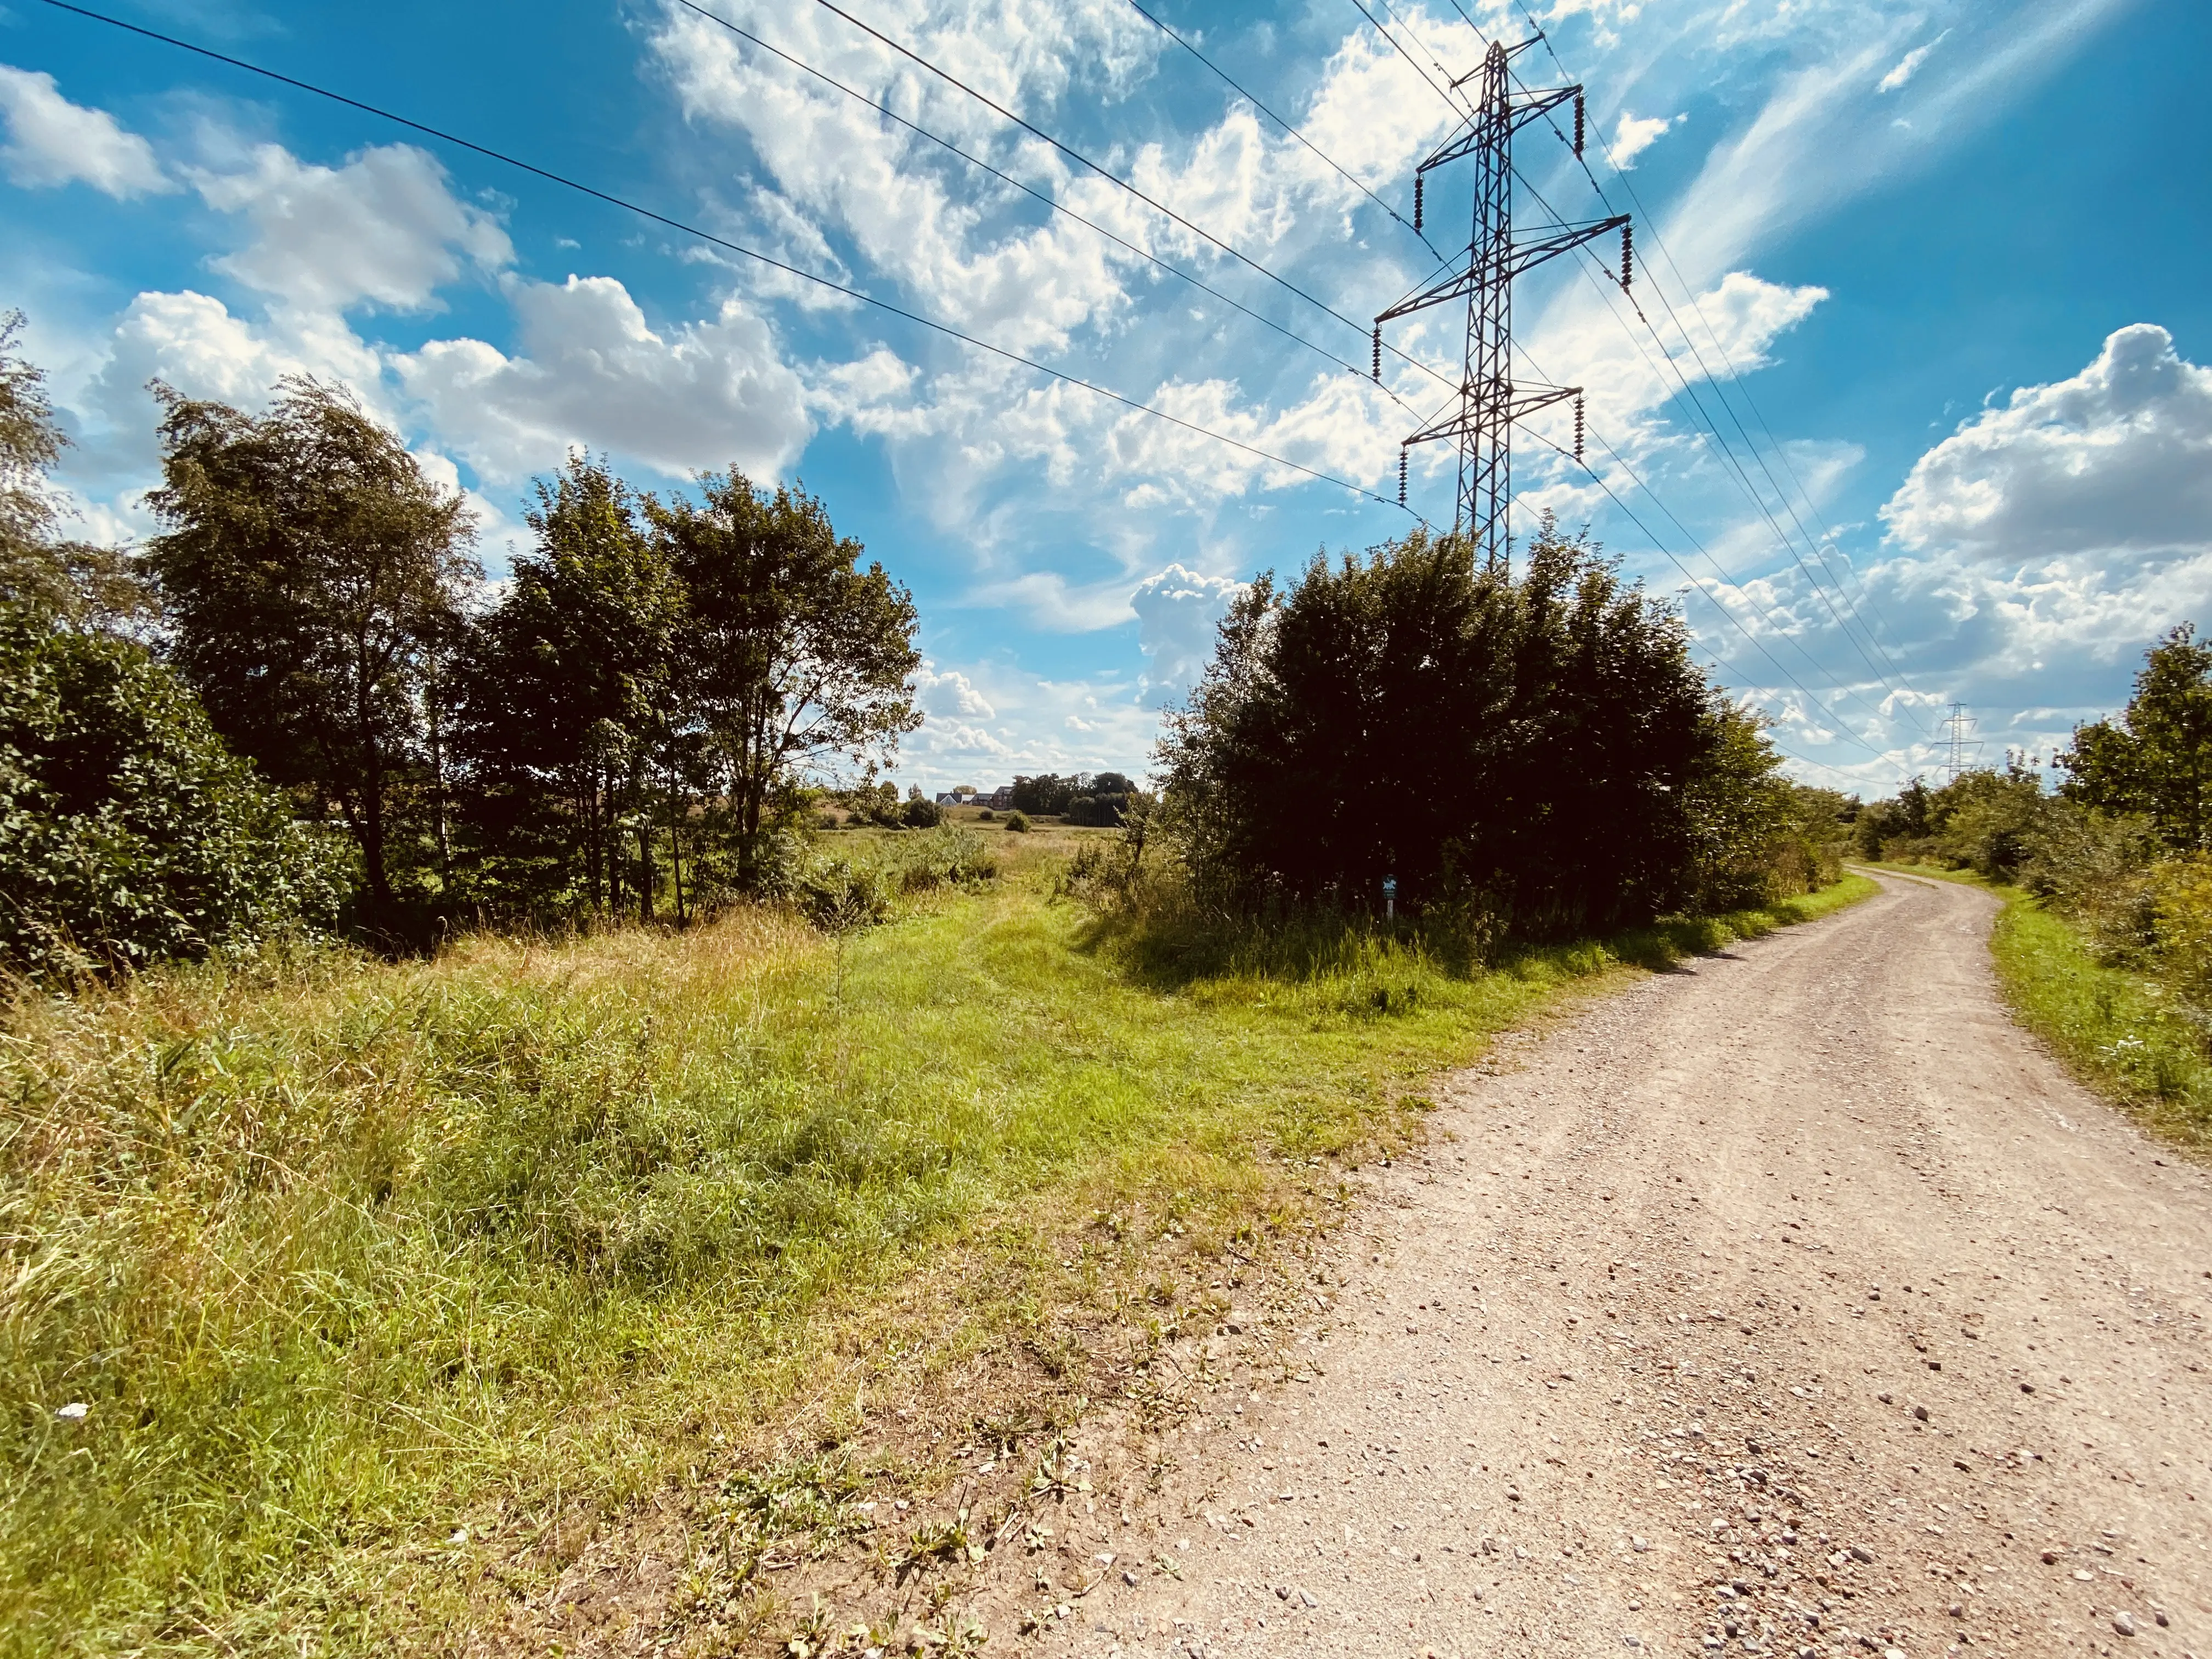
[341,1256]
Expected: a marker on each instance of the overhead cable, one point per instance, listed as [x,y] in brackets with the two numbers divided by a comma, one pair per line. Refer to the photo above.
[1249,97]
[1112,177]
[976,161]
[612,200]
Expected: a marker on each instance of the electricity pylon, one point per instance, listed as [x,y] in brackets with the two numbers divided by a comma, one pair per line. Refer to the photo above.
[1964,750]
[1489,399]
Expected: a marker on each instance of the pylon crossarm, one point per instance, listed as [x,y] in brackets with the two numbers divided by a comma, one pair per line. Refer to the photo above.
[1451,288]
[1528,255]
[1508,53]
[1526,107]
[1517,403]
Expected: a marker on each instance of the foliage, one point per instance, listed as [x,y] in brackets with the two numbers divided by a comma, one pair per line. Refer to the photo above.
[69,581]
[2156,758]
[128,832]
[568,719]
[1539,748]
[311,577]
[1018,824]
[1100,801]
[2116,1025]
[919,813]
[790,656]
[353,1262]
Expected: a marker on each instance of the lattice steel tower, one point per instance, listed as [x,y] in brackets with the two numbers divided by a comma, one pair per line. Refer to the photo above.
[1489,400]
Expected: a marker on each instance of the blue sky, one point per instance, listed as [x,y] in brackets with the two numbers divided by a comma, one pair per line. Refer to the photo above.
[1952,253]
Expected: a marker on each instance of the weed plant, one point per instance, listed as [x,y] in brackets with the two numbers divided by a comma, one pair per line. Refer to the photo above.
[320,1268]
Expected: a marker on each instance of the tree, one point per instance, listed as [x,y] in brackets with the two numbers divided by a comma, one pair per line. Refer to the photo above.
[567,718]
[1543,742]
[2156,757]
[790,655]
[68,581]
[312,577]
[128,832]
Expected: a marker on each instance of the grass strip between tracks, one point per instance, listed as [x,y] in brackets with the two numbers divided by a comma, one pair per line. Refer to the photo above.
[345,1300]
[2115,1030]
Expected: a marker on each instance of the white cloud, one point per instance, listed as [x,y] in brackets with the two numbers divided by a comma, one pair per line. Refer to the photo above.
[951,693]
[592,371]
[1178,611]
[1909,65]
[2115,462]
[384,228]
[1633,136]
[53,142]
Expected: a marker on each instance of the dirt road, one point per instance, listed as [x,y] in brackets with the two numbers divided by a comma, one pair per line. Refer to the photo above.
[1793,1302]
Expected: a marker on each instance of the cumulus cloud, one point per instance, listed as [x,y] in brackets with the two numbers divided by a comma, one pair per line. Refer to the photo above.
[951,693]
[2117,459]
[1177,612]
[53,142]
[592,371]
[384,228]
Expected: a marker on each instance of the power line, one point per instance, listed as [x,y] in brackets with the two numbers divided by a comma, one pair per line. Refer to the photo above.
[1735,622]
[1294,133]
[867,298]
[1735,375]
[1729,458]
[1733,466]
[1499,120]
[976,161]
[1083,161]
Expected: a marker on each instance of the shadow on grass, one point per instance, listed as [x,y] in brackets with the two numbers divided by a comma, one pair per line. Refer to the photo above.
[1171,951]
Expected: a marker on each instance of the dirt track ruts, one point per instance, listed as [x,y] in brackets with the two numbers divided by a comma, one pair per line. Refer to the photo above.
[1792,1302]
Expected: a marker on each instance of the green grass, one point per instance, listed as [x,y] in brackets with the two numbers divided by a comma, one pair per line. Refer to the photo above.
[364,1271]
[2112,1029]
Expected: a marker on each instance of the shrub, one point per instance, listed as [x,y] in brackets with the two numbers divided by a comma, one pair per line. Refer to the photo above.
[1544,736]
[986,816]
[920,814]
[839,894]
[949,856]
[1018,824]
[128,833]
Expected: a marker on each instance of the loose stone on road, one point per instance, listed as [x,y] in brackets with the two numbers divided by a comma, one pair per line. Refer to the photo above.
[1791,1302]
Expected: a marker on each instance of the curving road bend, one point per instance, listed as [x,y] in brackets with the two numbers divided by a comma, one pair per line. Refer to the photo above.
[1793,1303]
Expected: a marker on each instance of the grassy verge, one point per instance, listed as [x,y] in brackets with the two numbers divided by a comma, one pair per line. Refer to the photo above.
[2111,1028]
[329,1279]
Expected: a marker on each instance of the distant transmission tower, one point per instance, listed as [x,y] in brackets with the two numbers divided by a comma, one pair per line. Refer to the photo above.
[1964,748]
[1489,400]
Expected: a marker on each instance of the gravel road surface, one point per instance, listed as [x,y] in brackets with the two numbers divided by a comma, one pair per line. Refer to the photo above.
[1792,1303]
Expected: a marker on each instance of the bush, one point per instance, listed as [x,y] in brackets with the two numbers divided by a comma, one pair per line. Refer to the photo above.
[128,832]
[839,894]
[2181,910]
[1018,824]
[1541,746]
[949,856]
[920,814]
[986,816]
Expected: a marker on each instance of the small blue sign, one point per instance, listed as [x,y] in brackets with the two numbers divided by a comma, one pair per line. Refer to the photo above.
[1389,887]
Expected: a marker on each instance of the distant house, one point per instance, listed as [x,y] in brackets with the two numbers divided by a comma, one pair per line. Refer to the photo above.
[1001,799]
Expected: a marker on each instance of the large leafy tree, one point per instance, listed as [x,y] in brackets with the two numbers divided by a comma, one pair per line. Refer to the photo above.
[2156,758]
[791,655]
[1542,740]
[312,576]
[569,725]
